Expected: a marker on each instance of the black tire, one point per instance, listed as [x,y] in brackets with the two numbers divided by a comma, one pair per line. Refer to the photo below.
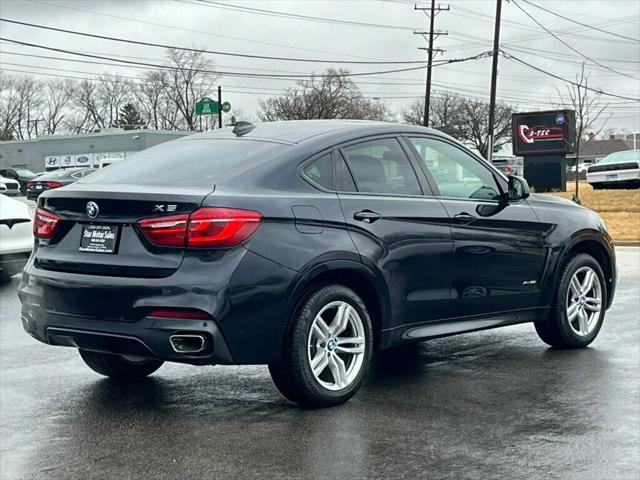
[118,367]
[555,329]
[292,373]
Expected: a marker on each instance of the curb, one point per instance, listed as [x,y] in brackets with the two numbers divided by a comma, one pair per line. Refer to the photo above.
[626,243]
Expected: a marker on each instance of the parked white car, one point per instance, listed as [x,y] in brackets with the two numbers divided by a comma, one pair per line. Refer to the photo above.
[616,170]
[16,236]
[9,186]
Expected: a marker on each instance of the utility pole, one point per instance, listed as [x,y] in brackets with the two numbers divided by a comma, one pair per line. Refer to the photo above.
[219,106]
[432,34]
[494,80]
[35,123]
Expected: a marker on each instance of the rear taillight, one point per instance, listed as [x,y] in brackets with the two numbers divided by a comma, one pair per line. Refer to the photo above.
[54,184]
[221,227]
[168,231]
[209,227]
[44,223]
[508,169]
[29,184]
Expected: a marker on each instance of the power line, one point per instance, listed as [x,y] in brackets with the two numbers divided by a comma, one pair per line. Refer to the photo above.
[580,23]
[201,32]
[275,13]
[568,45]
[602,92]
[238,74]
[531,97]
[215,52]
[379,82]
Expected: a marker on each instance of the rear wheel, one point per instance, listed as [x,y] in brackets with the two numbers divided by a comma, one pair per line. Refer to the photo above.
[578,311]
[119,367]
[327,350]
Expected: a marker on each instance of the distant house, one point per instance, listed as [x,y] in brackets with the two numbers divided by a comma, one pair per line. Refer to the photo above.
[592,150]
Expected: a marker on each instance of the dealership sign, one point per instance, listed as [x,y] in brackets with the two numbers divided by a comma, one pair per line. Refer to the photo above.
[541,133]
[78,159]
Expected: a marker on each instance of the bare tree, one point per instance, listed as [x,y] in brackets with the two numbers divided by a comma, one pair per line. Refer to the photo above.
[57,96]
[186,82]
[9,107]
[589,109]
[443,110]
[153,102]
[26,90]
[89,113]
[465,119]
[333,95]
[112,94]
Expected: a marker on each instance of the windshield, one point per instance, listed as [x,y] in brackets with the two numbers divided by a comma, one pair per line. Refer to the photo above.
[23,172]
[624,156]
[188,163]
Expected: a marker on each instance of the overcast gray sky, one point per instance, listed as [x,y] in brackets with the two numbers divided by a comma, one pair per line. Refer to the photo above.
[469,23]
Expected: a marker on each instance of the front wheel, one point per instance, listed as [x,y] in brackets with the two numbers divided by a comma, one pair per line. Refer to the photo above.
[578,311]
[119,367]
[327,350]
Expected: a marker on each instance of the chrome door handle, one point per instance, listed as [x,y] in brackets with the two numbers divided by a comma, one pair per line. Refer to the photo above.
[367,216]
[464,218]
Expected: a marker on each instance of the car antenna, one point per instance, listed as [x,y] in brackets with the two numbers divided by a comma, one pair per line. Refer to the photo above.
[242,128]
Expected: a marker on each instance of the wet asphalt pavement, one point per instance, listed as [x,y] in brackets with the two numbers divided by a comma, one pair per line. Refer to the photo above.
[496,404]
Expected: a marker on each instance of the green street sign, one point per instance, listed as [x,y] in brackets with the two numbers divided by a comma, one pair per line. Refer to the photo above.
[206,108]
[211,108]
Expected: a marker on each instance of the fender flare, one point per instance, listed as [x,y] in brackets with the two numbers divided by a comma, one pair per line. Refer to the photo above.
[317,268]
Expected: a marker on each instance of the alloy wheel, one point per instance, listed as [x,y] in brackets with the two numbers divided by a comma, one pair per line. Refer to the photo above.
[336,345]
[584,301]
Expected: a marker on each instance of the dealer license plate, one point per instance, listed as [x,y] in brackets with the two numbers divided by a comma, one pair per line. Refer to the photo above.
[99,238]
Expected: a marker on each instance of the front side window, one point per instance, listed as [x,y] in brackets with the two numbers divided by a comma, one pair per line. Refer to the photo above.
[456,173]
[380,166]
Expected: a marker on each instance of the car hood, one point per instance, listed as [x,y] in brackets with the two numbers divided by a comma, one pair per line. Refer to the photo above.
[11,209]
[539,198]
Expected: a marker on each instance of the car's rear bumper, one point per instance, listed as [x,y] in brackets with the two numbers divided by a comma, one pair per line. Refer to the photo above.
[149,337]
[614,177]
[244,295]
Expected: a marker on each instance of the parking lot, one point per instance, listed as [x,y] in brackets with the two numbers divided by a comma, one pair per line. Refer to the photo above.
[496,404]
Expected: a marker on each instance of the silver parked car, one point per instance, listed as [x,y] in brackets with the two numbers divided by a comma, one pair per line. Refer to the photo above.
[616,170]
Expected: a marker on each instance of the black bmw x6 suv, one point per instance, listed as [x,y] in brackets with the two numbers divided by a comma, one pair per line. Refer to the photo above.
[306,246]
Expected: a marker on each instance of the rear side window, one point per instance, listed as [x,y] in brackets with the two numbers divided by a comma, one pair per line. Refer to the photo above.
[188,163]
[380,166]
[320,171]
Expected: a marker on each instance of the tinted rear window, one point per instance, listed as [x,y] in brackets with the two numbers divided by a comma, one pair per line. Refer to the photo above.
[187,163]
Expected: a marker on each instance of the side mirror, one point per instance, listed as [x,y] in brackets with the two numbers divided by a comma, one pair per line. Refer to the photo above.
[518,188]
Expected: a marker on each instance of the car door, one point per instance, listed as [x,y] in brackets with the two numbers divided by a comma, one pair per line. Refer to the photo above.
[498,250]
[396,225]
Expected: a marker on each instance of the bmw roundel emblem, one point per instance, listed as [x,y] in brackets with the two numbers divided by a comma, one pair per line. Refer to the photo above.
[92,209]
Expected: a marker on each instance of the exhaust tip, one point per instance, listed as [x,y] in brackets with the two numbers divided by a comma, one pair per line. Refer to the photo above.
[187,343]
